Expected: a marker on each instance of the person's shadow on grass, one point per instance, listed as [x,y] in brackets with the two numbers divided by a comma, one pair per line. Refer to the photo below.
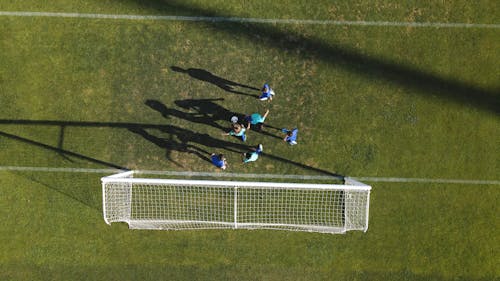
[213,112]
[187,141]
[206,76]
[177,140]
[196,117]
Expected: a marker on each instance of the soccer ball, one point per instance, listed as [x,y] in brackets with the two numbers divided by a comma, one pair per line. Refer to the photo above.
[234,119]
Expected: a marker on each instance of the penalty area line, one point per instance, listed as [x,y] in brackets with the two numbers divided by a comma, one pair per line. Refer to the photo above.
[248,20]
[244,175]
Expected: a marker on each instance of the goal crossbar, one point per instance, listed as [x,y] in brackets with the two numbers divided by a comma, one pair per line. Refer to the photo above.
[225,184]
[146,203]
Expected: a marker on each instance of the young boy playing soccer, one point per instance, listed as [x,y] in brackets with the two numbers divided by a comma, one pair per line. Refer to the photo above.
[256,120]
[237,130]
[219,161]
[252,155]
[267,93]
[291,136]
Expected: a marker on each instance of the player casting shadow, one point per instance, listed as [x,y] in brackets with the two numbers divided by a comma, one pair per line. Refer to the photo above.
[408,76]
[187,141]
[210,110]
[179,139]
[206,76]
[206,111]
[174,142]
[207,119]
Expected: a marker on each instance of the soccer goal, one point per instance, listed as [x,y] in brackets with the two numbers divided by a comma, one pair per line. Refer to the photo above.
[174,204]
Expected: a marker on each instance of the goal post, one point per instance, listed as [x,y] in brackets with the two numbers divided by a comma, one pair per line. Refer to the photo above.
[174,204]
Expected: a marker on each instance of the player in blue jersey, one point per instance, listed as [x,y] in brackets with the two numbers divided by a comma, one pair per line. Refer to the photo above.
[267,93]
[253,155]
[291,136]
[219,160]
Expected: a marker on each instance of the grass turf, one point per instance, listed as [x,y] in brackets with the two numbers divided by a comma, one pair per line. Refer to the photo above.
[368,101]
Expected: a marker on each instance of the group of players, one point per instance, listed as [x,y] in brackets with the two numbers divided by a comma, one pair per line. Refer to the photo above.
[255,121]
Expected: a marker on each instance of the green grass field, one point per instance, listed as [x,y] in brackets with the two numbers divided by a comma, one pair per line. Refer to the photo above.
[369,101]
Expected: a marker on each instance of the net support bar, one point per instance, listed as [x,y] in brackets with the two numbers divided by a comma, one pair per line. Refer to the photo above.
[235,207]
[200,204]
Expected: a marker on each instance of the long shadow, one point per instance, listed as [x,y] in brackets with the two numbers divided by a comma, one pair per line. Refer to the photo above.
[224,84]
[210,118]
[188,139]
[423,83]
[61,143]
[180,139]
[215,112]
[60,151]
[81,197]
[183,140]
[175,142]
[206,111]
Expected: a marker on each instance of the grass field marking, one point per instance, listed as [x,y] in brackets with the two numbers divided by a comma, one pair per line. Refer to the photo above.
[426,180]
[243,175]
[58,170]
[248,20]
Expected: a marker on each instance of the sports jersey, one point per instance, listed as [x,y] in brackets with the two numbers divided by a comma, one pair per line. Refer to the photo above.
[267,92]
[253,157]
[256,118]
[293,138]
[219,163]
[239,134]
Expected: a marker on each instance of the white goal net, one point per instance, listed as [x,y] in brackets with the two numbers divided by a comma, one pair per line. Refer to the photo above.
[146,203]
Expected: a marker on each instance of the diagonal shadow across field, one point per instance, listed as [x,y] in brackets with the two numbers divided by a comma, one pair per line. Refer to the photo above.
[347,58]
[203,111]
[179,139]
[73,191]
[62,152]
[225,84]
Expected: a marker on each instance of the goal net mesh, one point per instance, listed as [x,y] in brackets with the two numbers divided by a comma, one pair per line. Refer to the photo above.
[188,204]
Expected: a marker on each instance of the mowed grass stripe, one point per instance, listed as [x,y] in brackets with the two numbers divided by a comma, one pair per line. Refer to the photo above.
[244,175]
[353,123]
[251,20]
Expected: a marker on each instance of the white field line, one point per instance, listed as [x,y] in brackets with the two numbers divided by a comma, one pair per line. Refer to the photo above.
[248,20]
[58,170]
[425,180]
[243,175]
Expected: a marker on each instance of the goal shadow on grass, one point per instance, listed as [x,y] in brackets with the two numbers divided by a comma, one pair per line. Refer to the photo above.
[224,84]
[347,58]
[187,141]
[61,152]
[78,192]
[179,139]
[65,186]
